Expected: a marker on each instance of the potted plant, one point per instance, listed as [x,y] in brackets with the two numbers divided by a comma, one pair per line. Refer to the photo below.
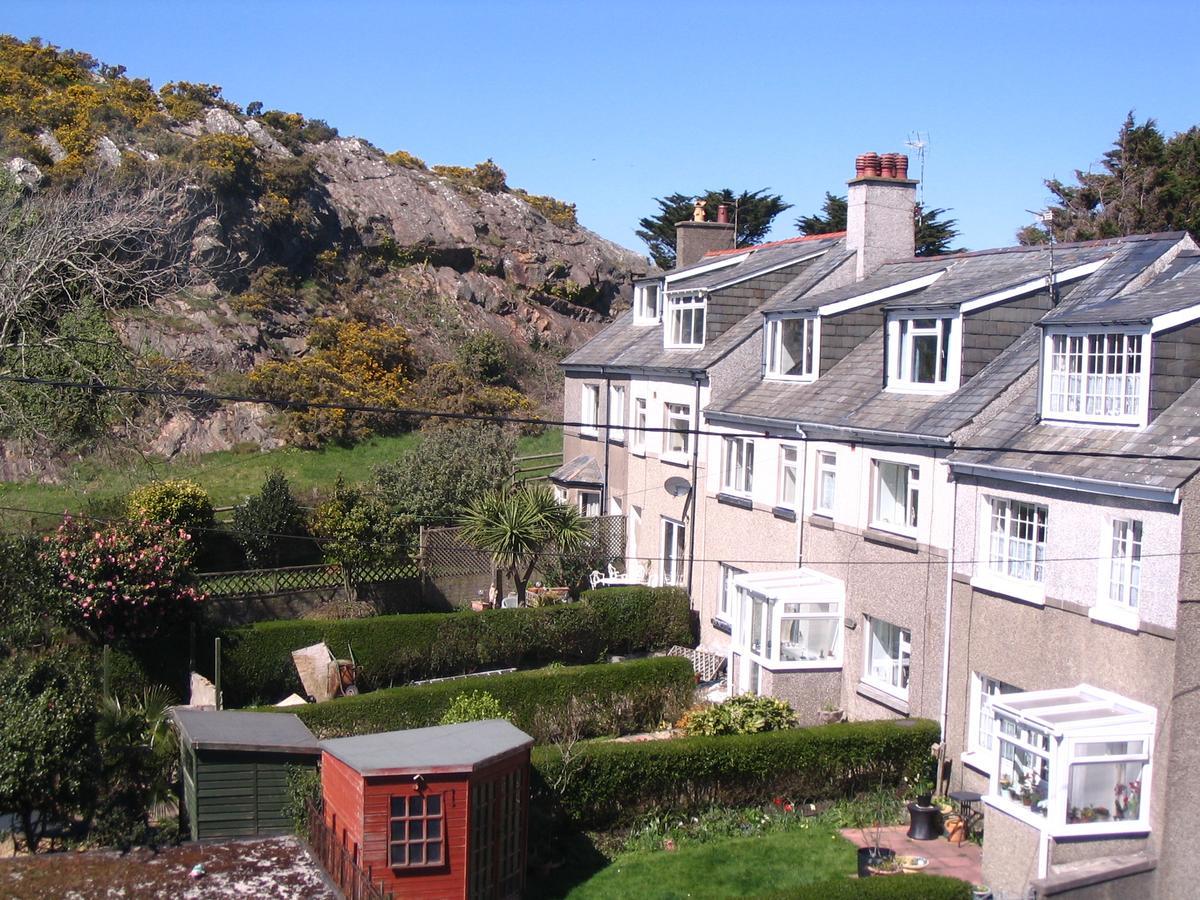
[874,859]
[830,713]
[924,792]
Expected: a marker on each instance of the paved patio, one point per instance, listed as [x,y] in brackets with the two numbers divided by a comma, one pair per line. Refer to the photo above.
[963,861]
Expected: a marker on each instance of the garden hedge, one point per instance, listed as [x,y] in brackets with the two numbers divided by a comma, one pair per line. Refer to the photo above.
[618,698]
[604,783]
[896,887]
[257,663]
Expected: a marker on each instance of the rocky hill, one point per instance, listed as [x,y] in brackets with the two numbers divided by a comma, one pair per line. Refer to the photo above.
[284,223]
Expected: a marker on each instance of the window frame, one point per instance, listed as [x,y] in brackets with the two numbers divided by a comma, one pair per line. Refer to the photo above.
[673,535]
[901,334]
[1000,567]
[912,497]
[587,499]
[676,412]
[1109,609]
[643,313]
[727,597]
[810,341]
[616,412]
[675,306]
[589,410]
[824,463]
[781,500]
[760,620]
[901,663]
[737,466]
[1086,334]
[639,422]
[978,754]
[425,841]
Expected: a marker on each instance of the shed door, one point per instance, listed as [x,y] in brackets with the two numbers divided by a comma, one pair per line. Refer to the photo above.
[497,838]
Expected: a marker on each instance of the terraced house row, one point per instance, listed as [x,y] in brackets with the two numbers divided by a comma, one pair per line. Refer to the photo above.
[955,487]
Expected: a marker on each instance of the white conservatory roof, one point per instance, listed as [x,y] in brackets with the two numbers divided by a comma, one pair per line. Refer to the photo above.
[793,586]
[1076,710]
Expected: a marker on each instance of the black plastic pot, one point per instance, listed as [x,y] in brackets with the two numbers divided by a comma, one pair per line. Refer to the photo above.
[867,857]
[925,799]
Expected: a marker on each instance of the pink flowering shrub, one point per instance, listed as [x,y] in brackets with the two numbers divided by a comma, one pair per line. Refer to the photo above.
[124,581]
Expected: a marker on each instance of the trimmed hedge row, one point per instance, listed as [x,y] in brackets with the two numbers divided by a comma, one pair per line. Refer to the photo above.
[898,887]
[605,783]
[615,698]
[257,663]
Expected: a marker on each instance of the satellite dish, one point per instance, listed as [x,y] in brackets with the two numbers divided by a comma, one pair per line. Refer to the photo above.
[677,486]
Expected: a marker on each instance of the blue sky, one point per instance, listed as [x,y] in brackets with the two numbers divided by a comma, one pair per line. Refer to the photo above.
[609,105]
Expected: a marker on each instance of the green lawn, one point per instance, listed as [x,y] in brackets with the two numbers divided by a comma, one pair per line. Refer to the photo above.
[736,867]
[228,476]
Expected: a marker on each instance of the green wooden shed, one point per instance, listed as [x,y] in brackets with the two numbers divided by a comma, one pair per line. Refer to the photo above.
[234,767]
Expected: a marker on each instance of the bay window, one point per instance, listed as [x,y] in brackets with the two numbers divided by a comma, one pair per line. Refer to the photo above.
[923,352]
[1073,761]
[589,410]
[685,320]
[789,457]
[589,503]
[616,413]
[789,620]
[677,438]
[737,471]
[896,497]
[825,483]
[1017,539]
[1096,377]
[674,551]
[792,348]
[886,661]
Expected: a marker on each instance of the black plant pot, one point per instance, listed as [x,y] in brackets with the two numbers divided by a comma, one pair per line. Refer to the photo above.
[867,858]
[925,799]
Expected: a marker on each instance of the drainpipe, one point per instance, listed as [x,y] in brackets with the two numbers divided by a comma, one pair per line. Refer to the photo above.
[607,435]
[801,496]
[695,491]
[945,702]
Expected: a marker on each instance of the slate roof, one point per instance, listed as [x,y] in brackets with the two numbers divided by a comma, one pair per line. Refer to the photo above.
[851,395]
[762,258]
[1136,307]
[625,346]
[208,729]
[463,747]
[582,469]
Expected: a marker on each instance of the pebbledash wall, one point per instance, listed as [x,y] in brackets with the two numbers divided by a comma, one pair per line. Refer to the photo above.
[1057,644]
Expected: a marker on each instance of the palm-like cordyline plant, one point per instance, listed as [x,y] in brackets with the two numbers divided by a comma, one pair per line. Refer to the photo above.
[518,526]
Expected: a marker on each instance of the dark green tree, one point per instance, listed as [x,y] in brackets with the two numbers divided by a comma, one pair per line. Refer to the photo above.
[32,610]
[1145,183]
[270,525]
[831,218]
[932,232]
[755,211]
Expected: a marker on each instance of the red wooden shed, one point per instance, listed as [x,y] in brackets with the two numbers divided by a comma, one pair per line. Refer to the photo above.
[433,812]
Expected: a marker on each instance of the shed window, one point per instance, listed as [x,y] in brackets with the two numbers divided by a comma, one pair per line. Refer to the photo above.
[416,831]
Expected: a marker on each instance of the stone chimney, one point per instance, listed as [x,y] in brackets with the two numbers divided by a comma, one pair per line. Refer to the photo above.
[881,201]
[695,238]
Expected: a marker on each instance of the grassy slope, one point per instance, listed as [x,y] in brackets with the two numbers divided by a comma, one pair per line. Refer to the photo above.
[228,476]
[737,867]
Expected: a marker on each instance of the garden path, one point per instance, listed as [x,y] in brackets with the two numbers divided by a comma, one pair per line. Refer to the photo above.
[963,861]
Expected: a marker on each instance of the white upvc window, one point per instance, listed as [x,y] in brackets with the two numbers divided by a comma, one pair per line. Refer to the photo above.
[589,503]
[1100,377]
[981,725]
[887,657]
[1125,563]
[677,439]
[674,551]
[685,321]
[616,413]
[646,304]
[1073,762]
[924,351]
[640,422]
[789,620]
[737,471]
[1017,540]
[897,494]
[789,475]
[825,482]
[728,592]
[793,348]
[589,410]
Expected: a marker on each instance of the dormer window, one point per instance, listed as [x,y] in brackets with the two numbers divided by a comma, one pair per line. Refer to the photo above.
[923,352]
[646,308]
[1096,376]
[685,321]
[792,348]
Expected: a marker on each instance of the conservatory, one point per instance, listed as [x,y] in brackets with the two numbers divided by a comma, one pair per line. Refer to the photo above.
[1073,762]
[789,620]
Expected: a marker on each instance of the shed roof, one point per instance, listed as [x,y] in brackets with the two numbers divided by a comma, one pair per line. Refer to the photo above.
[441,748]
[208,729]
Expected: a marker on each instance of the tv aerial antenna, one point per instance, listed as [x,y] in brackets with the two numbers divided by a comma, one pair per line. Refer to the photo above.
[1045,218]
[918,143]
